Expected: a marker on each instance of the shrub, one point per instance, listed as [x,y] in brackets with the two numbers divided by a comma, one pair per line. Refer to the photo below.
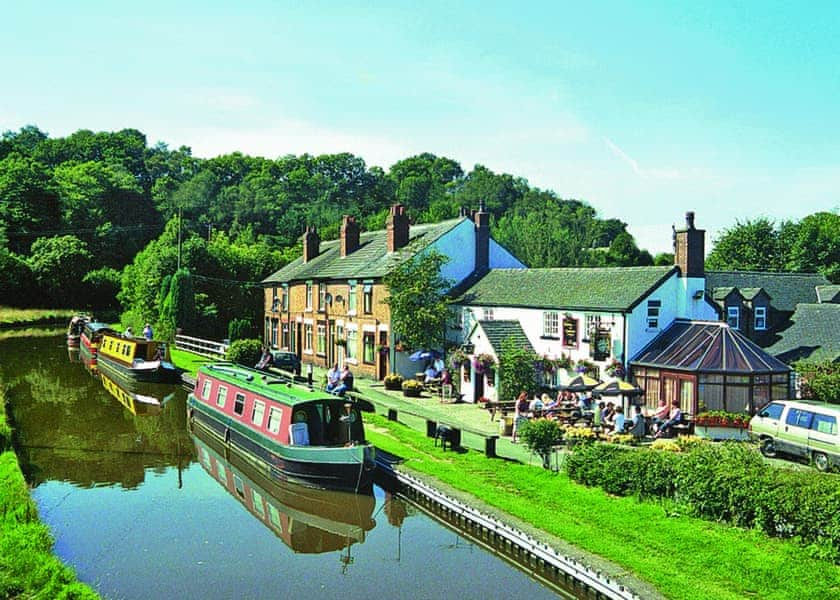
[240,329]
[245,352]
[539,435]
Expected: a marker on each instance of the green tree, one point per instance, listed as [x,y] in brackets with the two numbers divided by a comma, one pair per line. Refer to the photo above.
[418,301]
[183,300]
[29,203]
[747,246]
[815,245]
[58,264]
[516,370]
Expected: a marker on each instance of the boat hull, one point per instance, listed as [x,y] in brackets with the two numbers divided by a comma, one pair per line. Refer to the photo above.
[349,468]
[159,374]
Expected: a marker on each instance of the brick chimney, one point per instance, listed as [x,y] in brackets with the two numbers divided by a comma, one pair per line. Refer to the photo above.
[482,238]
[397,228]
[311,244]
[349,235]
[690,248]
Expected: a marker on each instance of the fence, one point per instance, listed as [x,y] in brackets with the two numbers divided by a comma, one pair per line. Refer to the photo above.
[209,348]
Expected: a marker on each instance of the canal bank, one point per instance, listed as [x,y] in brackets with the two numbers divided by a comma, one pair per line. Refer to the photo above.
[28,567]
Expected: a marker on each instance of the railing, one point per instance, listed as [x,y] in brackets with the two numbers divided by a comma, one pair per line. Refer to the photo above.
[199,346]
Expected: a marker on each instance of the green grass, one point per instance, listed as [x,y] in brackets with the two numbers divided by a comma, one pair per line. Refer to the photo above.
[684,558]
[28,569]
[189,361]
[25,316]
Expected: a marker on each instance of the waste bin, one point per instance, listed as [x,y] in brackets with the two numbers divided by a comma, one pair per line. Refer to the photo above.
[506,425]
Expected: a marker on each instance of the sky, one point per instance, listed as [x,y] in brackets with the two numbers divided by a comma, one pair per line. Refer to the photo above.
[644,110]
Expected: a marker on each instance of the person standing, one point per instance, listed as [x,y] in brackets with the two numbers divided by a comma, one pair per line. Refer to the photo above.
[147,331]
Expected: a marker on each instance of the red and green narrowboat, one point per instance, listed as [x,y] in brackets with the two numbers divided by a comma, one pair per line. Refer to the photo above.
[91,339]
[134,360]
[308,520]
[74,330]
[292,432]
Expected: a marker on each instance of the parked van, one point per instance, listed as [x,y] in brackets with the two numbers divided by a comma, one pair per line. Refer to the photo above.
[799,428]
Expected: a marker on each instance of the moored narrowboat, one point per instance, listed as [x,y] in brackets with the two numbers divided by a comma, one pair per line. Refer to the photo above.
[291,432]
[308,520]
[91,339]
[74,329]
[136,359]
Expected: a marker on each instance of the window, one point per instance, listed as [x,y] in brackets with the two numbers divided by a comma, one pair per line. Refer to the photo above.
[368,347]
[258,413]
[653,307]
[488,314]
[352,342]
[760,317]
[351,297]
[274,417]
[732,316]
[322,296]
[257,499]
[275,325]
[238,485]
[367,298]
[593,324]
[322,337]
[285,298]
[773,411]
[284,337]
[799,418]
[221,396]
[308,295]
[551,324]
[307,337]
[824,424]
[275,301]
[205,390]
[239,403]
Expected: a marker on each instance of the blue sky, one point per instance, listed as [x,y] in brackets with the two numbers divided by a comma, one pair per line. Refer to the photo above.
[642,109]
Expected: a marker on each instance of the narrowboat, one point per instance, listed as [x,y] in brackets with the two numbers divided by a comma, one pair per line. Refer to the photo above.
[74,329]
[293,432]
[307,520]
[91,339]
[143,402]
[136,360]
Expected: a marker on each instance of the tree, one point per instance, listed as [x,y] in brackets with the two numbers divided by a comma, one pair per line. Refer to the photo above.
[748,246]
[815,246]
[29,203]
[516,370]
[183,299]
[418,302]
[59,263]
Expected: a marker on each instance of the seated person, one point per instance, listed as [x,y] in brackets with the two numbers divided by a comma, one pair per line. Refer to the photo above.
[661,414]
[637,426]
[608,416]
[333,378]
[674,417]
[345,382]
[585,404]
[618,420]
[536,406]
[265,361]
[550,406]
[430,373]
[445,377]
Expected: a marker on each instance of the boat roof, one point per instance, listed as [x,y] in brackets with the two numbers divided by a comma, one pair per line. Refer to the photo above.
[273,387]
[96,326]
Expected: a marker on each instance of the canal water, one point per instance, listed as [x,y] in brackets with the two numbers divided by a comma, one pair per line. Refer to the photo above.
[142,508]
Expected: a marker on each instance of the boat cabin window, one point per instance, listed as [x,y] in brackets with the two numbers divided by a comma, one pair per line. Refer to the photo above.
[274,417]
[205,390]
[239,403]
[258,412]
[221,396]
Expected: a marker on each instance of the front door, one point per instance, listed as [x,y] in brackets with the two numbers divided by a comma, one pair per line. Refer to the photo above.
[383,356]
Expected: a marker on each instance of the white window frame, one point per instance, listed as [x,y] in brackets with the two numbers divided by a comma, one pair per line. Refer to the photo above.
[352,346]
[488,313]
[275,416]
[308,295]
[206,389]
[321,338]
[322,296]
[654,307]
[238,396]
[733,316]
[551,324]
[760,318]
[352,297]
[367,298]
[221,396]
[259,407]
[308,337]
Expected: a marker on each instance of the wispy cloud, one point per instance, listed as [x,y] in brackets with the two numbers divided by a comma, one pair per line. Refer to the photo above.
[644,173]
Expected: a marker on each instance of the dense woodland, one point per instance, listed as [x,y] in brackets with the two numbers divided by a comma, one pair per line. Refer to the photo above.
[92,220]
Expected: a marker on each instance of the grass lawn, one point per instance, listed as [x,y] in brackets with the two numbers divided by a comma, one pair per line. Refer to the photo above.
[188,361]
[683,557]
[24,316]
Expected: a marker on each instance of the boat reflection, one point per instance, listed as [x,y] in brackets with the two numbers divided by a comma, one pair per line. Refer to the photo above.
[73,354]
[142,400]
[308,520]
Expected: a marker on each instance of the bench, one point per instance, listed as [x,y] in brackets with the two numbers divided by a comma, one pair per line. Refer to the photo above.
[449,433]
[502,407]
[685,426]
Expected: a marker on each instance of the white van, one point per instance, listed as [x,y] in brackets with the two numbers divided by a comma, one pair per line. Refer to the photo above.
[799,428]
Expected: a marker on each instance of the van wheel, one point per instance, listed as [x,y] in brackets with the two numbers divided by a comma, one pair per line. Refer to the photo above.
[820,461]
[768,448]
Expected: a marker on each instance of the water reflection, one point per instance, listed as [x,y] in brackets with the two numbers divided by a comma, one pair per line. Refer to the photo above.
[309,521]
[73,353]
[143,400]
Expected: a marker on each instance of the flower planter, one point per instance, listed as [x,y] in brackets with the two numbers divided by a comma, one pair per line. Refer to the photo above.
[393,385]
[411,393]
[719,432]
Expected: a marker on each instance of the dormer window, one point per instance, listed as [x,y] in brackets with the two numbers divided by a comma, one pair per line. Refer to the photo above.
[733,316]
[760,317]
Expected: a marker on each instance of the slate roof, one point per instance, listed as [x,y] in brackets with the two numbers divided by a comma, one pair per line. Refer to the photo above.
[499,331]
[708,347]
[786,289]
[607,289]
[814,334]
[828,293]
[371,260]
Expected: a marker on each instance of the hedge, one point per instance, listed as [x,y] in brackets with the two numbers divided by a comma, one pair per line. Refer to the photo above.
[722,482]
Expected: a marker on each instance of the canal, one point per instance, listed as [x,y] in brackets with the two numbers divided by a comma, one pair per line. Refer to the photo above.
[142,508]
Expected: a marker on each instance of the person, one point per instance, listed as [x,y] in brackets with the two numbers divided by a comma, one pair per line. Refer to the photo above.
[637,427]
[129,332]
[265,359]
[520,413]
[439,365]
[661,414]
[333,377]
[550,406]
[608,416]
[618,420]
[536,406]
[674,417]
[147,331]
[445,377]
[430,373]
[345,383]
